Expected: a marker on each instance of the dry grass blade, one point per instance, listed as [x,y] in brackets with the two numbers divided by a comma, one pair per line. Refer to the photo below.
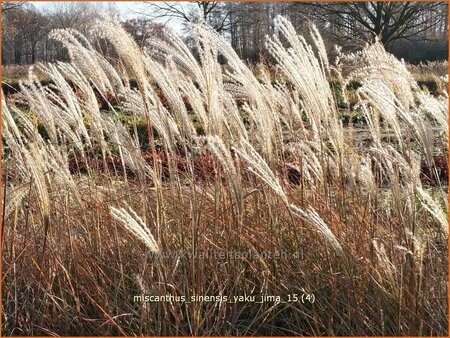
[259,166]
[311,216]
[433,208]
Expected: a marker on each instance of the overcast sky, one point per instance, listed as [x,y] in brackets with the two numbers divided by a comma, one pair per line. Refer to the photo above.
[126,9]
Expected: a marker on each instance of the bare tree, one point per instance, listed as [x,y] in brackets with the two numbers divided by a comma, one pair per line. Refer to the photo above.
[143,29]
[71,14]
[212,12]
[22,30]
[8,6]
[389,21]
[76,15]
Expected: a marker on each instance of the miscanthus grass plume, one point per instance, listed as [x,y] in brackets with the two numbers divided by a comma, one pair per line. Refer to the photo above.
[223,158]
[133,223]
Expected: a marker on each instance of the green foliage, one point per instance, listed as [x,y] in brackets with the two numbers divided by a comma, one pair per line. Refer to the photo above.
[354,116]
[336,88]
[42,131]
[430,84]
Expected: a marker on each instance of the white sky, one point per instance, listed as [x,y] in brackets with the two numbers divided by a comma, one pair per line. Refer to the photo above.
[126,9]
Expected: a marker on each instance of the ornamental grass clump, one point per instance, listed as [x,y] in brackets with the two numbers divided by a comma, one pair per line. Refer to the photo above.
[240,183]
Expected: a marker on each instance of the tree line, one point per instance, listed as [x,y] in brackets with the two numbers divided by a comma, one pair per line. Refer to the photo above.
[416,31]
